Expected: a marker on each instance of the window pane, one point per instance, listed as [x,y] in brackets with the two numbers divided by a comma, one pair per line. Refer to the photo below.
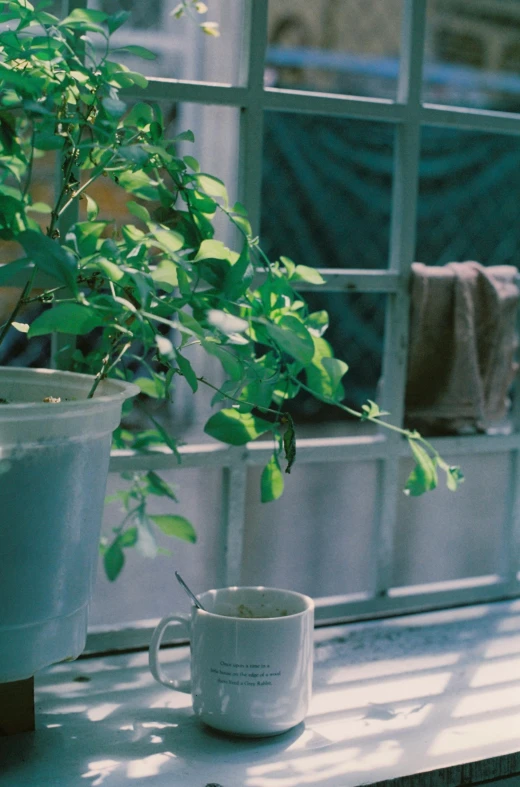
[356,330]
[446,535]
[147,588]
[183,50]
[317,538]
[465,210]
[327,190]
[349,47]
[473,54]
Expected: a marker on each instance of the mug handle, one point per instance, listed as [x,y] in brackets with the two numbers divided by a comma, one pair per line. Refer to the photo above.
[155,644]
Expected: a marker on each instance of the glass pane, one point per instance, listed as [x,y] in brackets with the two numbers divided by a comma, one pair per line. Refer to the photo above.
[465,210]
[147,588]
[183,50]
[327,190]
[356,331]
[349,47]
[473,54]
[445,535]
[317,538]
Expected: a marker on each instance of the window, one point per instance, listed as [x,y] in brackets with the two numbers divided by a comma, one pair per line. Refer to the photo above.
[325,118]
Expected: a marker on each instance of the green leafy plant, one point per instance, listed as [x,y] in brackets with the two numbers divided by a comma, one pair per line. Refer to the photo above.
[163,274]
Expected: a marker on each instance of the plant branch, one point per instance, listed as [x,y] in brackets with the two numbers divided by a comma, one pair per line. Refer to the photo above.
[239,401]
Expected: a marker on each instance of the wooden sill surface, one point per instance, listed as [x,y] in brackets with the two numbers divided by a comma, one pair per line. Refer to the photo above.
[416,701]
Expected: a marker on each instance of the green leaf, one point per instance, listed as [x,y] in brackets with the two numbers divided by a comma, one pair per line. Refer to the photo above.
[185,136]
[213,249]
[177,526]
[167,439]
[92,208]
[50,257]
[304,273]
[166,274]
[140,115]
[133,153]
[293,338]
[271,482]
[128,538]
[372,410]
[138,210]
[236,428]
[115,21]
[335,369]
[317,323]
[138,51]
[230,363]
[151,387]
[454,477]
[70,318]
[169,240]
[113,560]
[239,276]
[39,207]
[82,15]
[10,269]
[187,371]
[289,441]
[192,163]
[210,29]
[157,486]
[423,477]
[212,186]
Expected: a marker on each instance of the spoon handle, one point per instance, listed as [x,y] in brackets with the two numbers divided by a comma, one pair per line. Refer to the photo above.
[188,591]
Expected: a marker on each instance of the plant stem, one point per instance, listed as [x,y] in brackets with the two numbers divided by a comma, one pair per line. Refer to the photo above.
[362,416]
[12,317]
[240,401]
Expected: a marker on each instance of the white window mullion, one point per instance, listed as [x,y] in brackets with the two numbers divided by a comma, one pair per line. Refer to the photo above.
[252,114]
[249,190]
[510,552]
[233,518]
[402,249]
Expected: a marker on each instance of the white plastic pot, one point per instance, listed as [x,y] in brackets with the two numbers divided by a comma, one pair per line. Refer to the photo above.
[53,471]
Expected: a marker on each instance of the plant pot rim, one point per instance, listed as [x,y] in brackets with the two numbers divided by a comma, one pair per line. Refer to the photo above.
[75,384]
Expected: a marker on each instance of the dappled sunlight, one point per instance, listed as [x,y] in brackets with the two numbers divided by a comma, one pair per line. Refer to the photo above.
[502,672]
[478,737]
[172,699]
[60,710]
[508,624]
[387,667]
[397,690]
[319,768]
[148,766]
[487,702]
[99,771]
[503,646]
[376,720]
[100,712]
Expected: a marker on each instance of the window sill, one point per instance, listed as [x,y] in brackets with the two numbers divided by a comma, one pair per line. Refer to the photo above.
[424,699]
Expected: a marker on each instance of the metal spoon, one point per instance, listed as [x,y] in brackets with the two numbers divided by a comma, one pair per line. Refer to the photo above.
[188,591]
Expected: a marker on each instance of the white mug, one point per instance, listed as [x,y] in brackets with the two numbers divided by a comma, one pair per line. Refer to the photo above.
[251,659]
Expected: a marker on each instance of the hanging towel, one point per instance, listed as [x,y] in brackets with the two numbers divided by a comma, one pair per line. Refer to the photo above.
[463,339]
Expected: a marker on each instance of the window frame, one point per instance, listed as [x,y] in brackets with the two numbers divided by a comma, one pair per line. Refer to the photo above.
[407,114]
